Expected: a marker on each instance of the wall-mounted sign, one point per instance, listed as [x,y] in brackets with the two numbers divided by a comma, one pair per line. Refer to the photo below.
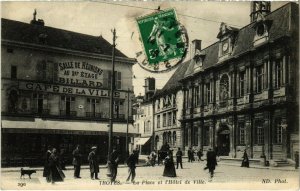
[41,87]
[80,73]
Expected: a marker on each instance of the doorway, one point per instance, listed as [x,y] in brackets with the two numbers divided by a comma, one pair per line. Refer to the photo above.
[223,141]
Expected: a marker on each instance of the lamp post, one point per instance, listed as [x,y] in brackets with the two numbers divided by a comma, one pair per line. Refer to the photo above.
[127,151]
[111,108]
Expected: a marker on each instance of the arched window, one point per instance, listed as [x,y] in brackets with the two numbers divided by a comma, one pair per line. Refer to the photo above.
[174,137]
[164,137]
[224,88]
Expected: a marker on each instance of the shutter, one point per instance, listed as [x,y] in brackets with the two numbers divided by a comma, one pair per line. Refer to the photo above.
[119,82]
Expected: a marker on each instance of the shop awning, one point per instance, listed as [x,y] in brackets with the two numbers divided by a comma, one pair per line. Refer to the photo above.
[142,140]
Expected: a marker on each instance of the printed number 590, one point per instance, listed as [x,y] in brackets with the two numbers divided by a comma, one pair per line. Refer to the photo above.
[21,184]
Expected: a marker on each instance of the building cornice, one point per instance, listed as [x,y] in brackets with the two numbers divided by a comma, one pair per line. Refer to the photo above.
[67,51]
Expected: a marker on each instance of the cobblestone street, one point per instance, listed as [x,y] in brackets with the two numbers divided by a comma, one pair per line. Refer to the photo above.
[191,177]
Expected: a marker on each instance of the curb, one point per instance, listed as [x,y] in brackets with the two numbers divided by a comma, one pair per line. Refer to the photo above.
[262,167]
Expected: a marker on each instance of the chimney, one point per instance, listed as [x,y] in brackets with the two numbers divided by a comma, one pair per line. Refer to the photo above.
[196,47]
[39,22]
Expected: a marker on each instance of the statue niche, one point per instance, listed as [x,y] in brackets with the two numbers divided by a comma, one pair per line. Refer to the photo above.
[224,90]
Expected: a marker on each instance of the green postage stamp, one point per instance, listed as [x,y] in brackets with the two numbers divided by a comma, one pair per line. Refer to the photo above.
[164,40]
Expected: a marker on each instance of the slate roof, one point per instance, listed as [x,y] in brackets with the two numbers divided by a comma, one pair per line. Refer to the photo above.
[173,83]
[30,33]
[284,23]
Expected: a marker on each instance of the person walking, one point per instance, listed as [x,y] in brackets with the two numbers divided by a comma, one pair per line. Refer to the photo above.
[211,158]
[169,169]
[77,161]
[46,172]
[200,154]
[245,162]
[131,163]
[114,161]
[179,157]
[190,155]
[93,162]
[296,160]
[56,174]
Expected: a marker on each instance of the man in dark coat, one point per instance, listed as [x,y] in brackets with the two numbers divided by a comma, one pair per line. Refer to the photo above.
[46,171]
[77,161]
[190,155]
[131,163]
[93,162]
[56,174]
[211,158]
[245,162]
[114,161]
[179,157]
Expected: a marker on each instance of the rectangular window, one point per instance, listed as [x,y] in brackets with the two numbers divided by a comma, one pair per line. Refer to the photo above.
[174,117]
[259,132]
[118,79]
[169,119]
[260,79]
[164,120]
[13,72]
[278,73]
[158,104]
[278,131]
[242,84]
[158,121]
[206,136]
[196,96]
[242,132]
[208,92]
[119,109]
[93,108]
[38,103]
[67,106]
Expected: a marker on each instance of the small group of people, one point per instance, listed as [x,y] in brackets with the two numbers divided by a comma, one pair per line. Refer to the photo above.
[192,153]
[54,164]
[52,167]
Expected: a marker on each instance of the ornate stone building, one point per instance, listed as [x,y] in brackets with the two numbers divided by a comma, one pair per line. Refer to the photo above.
[242,91]
[55,91]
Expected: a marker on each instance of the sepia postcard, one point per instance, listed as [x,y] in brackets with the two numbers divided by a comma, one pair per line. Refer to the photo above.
[140,95]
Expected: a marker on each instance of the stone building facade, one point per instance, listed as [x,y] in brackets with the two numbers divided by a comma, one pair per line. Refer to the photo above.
[55,91]
[242,91]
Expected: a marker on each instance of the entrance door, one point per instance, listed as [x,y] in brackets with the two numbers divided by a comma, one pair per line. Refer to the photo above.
[223,142]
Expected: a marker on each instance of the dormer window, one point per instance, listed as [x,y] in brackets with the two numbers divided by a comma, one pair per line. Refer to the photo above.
[227,36]
[261,28]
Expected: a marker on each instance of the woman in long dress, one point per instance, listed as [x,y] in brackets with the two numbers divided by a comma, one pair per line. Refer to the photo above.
[245,162]
[169,170]
[56,174]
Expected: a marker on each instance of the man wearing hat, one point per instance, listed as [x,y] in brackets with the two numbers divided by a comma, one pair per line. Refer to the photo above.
[94,166]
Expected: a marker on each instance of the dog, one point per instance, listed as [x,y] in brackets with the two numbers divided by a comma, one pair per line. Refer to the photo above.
[28,172]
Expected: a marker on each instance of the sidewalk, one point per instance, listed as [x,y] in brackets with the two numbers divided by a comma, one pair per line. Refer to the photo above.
[141,163]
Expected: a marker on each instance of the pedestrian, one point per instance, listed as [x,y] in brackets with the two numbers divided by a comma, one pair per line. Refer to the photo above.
[245,162]
[190,155]
[114,161]
[62,159]
[296,160]
[131,163]
[46,172]
[169,169]
[93,162]
[179,157]
[200,154]
[56,174]
[153,158]
[77,161]
[211,158]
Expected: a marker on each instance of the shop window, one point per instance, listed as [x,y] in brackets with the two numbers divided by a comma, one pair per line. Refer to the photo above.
[67,106]
[278,73]
[260,78]
[13,73]
[278,131]
[242,83]
[93,108]
[259,132]
[164,120]
[242,133]
[158,121]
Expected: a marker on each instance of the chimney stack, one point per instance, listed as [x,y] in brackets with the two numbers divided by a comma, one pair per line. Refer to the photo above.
[196,47]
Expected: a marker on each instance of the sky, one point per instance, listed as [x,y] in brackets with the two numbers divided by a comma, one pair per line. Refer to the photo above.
[201,20]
